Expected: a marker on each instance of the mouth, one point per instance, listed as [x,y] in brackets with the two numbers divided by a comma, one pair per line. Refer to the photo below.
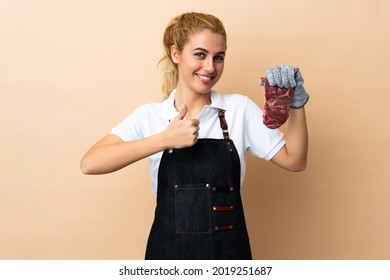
[205,78]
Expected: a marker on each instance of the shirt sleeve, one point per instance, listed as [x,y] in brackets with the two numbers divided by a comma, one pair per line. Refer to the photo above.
[131,127]
[260,140]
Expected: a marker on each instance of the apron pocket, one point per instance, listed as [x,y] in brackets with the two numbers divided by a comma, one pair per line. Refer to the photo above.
[192,208]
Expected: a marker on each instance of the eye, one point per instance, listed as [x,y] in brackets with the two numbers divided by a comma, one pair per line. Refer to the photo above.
[200,55]
[219,58]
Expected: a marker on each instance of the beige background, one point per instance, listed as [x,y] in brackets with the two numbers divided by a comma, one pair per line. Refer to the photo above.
[70,70]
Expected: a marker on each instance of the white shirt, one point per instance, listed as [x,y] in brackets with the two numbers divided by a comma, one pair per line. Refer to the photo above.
[244,119]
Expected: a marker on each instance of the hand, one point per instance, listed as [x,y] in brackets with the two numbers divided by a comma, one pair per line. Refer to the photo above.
[285,76]
[182,133]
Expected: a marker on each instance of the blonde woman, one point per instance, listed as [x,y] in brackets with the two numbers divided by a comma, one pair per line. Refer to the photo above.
[196,140]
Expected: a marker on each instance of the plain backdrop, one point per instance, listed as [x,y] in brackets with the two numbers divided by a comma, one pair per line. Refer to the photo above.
[71,70]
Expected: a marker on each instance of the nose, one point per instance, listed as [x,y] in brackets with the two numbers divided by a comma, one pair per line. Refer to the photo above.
[209,65]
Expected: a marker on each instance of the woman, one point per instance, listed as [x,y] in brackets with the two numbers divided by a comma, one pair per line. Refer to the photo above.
[196,141]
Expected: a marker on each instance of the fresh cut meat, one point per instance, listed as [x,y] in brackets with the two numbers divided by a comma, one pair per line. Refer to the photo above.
[276,104]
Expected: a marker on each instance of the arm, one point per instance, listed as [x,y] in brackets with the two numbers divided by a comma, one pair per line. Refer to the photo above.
[112,153]
[293,155]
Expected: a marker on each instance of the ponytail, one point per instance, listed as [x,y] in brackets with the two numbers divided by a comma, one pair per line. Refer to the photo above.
[170,75]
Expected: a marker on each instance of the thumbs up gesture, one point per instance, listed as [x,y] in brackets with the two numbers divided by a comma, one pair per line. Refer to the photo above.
[181,132]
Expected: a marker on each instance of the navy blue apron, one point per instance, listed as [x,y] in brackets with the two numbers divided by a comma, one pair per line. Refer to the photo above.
[199,213]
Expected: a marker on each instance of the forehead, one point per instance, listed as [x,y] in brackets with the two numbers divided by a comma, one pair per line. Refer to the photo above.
[208,40]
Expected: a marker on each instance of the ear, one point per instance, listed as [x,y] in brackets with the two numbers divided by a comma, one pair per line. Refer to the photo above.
[175,54]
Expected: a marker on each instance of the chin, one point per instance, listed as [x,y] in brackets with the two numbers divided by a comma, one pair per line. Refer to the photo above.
[204,89]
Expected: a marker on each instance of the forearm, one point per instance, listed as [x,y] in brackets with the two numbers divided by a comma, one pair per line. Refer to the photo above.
[293,156]
[108,156]
[111,153]
[297,139]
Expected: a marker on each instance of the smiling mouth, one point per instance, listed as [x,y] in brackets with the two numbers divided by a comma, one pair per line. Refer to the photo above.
[205,79]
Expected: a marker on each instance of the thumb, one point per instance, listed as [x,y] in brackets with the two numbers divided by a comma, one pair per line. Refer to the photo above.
[182,113]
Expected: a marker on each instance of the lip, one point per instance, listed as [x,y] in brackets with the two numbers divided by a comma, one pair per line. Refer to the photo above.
[206,79]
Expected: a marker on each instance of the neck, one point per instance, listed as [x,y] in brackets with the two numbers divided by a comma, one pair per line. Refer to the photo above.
[194,102]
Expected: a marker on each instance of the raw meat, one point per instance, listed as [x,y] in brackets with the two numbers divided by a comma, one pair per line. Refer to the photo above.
[276,104]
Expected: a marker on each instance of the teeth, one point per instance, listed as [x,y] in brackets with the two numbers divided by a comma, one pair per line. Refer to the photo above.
[204,77]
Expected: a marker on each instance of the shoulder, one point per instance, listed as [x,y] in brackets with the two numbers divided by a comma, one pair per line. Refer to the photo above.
[147,109]
[141,116]
[143,121]
[240,103]
[158,110]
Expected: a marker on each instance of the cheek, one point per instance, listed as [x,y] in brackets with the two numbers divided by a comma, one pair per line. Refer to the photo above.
[220,68]
[193,63]
[190,66]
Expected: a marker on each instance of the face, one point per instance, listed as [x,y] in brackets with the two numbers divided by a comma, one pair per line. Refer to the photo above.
[200,62]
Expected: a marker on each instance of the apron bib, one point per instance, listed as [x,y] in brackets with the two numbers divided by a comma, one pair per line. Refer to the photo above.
[199,213]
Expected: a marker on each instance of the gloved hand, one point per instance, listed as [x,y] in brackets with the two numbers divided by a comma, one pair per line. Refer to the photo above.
[285,76]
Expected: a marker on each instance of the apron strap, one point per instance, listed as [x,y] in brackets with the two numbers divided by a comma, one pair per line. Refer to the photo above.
[224,126]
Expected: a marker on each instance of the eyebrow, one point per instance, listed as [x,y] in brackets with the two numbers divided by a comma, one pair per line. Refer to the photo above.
[206,51]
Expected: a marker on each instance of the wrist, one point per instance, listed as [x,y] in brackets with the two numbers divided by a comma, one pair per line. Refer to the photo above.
[163,140]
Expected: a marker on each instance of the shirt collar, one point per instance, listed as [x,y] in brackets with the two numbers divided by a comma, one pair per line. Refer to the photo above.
[168,110]
[217,100]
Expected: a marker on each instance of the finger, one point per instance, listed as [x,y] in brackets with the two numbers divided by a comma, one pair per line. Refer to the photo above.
[284,76]
[290,77]
[197,128]
[277,76]
[196,134]
[182,113]
[195,122]
[270,77]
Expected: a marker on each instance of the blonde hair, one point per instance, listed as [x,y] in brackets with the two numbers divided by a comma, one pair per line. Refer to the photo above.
[177,33]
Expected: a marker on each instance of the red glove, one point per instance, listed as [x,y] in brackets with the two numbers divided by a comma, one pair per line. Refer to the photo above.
[276,105]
